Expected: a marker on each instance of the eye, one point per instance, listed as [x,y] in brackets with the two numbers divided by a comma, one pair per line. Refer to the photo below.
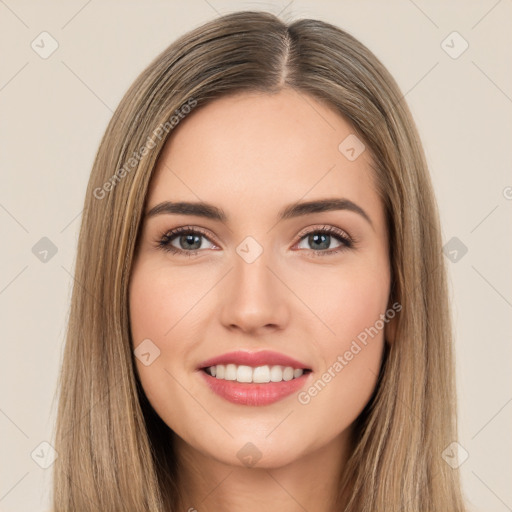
[188,241]
[321,238]
[184,240]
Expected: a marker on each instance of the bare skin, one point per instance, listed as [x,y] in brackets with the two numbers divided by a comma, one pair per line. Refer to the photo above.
[252,155]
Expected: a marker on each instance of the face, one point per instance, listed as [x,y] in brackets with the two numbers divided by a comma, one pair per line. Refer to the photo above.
[258,286]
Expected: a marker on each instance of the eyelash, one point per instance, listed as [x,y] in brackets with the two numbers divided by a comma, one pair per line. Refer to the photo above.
[165,239]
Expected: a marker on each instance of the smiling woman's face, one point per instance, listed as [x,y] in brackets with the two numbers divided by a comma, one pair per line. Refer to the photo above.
[250,279]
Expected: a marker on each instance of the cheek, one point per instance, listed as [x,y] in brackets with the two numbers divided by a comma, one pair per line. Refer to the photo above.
[157,309]
[350,304]
[167,307]
[161,304]
[160,301]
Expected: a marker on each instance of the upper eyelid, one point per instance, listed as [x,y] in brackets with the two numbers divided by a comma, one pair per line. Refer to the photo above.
[184,229]
[334,230]
[327,227]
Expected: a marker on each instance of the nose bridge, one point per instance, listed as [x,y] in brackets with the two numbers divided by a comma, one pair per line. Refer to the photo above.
[254,298]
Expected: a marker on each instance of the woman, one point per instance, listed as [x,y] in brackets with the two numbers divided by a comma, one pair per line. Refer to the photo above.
[260,315]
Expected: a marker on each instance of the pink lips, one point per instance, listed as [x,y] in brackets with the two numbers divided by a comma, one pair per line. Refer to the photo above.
[251,393]
[254,359]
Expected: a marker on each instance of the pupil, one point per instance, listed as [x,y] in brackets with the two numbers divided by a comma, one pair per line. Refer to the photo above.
[314,239]
[189,239]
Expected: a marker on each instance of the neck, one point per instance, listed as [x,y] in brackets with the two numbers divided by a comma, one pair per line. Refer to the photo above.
[309,483]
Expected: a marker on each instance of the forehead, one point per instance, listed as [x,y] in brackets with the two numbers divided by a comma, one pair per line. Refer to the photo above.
[254,152]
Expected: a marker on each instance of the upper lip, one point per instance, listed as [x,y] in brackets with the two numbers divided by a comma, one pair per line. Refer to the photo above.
[260,358]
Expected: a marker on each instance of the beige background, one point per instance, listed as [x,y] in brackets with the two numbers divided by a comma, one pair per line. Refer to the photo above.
[55,110]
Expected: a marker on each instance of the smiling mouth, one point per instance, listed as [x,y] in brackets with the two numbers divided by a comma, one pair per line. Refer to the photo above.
[257,375]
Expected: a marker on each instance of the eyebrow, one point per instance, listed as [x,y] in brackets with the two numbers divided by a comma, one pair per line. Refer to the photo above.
[209,211]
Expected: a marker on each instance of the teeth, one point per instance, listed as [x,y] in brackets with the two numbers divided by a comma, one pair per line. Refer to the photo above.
[230,372]
[288,373]
[260,374]
[244,374]
[276,373]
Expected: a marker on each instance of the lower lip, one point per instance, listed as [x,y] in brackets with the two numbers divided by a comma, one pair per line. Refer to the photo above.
[247,393]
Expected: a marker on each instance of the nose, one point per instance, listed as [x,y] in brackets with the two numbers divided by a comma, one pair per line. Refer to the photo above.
[255,300]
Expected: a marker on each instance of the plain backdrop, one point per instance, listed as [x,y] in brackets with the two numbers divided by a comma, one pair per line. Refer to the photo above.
[56,106]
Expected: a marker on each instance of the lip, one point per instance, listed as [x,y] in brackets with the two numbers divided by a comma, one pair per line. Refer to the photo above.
[244,393]
[250,393]
[260,358]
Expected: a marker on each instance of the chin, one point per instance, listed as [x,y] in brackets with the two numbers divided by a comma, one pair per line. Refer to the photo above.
[261,451]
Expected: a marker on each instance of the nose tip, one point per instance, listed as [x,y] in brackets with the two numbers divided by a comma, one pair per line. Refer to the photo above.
[253,298]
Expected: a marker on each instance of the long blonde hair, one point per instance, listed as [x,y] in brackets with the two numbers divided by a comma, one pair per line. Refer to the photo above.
[114,452]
